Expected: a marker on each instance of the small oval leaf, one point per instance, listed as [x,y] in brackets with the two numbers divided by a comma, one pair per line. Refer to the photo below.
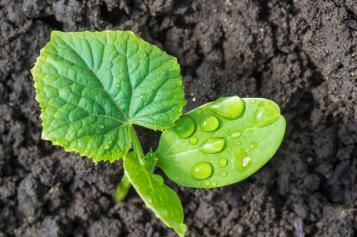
[92,86]
[247,137]
[161,199]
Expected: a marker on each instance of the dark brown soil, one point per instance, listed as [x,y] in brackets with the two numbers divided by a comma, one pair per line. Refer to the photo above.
[302,54]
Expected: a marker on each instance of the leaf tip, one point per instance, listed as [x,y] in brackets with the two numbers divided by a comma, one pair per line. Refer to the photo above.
[181,229]
[55,33]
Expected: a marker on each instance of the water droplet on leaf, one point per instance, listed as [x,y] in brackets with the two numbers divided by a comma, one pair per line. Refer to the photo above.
[213,145]
[266,113]
[236,134]
[222,162]
[193,140]
[242,160]
[185,127]
[228,107]
[209,124]
[202,170]
[223,173]
[246,161]
[253,145]
[143,96]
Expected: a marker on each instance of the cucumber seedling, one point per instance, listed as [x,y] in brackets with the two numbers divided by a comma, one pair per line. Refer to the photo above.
[93,87]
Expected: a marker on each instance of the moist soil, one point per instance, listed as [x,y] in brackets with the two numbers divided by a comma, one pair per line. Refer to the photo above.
[301,54]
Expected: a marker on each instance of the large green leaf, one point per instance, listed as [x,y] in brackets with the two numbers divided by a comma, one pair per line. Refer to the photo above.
[161,199]
[92,86]
[222,142]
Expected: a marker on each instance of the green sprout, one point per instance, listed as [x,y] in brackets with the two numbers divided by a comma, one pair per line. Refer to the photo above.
[93,87]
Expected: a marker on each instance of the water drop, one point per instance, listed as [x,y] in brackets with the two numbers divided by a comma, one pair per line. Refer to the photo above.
[207,183]
[202,170]
[242,160]
[214,184]
[222,162]
[209,124]
[224,173]
[101,126]
[106,146]
[213,145]
[253,145]
[228,107]
[236,134]
[267,112]
[193,140]
[143,96]
[185,127]
[246,161]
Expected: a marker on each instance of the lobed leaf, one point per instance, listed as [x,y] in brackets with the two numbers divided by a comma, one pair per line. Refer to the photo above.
[222,142]
[161,199]
[92,86]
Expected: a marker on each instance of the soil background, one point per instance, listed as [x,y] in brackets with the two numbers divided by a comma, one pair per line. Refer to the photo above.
[302,54]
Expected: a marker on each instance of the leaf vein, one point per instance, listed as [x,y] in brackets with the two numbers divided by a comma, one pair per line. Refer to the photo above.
[94,75]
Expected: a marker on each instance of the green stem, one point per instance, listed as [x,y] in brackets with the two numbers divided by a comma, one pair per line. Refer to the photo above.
[124,185]
[122,190]
[137,145]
